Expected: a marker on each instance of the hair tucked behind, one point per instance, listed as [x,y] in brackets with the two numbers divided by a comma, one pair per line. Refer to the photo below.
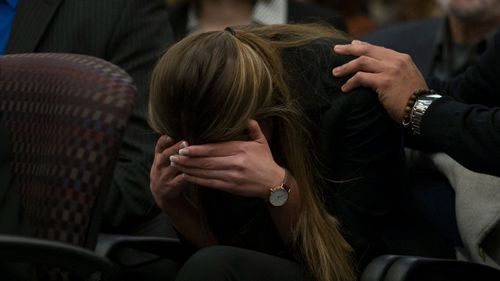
[207,87]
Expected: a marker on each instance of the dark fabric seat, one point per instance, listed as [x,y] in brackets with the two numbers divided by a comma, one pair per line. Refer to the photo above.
[65,115]
[414,268]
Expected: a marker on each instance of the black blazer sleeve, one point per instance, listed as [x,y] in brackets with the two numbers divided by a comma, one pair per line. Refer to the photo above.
[142,33]
[468,133]
[466,125]
[365,170]
[357,144]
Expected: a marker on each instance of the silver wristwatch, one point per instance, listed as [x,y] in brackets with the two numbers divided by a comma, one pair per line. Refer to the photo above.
[419,108]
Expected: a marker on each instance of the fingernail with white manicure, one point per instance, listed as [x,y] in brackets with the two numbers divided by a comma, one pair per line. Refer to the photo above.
[184,144]
[183,151]
[173,159]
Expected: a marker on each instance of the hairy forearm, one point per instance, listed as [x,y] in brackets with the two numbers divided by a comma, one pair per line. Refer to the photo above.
[186,219]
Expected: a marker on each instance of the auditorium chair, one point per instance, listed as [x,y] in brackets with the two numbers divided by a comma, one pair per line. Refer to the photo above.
[65,115]
[415,268]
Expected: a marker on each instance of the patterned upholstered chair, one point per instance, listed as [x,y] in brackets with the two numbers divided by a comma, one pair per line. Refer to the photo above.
[65,115]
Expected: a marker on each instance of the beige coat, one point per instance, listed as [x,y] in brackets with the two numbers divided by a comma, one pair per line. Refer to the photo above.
[477,201]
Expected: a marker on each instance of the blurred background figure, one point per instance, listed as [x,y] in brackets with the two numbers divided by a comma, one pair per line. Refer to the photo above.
[365,16]
[356,14]
[389,12]
[188,16]
[443,47]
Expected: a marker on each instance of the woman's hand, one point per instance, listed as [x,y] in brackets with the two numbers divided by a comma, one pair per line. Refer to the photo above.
[166,180]
[244,168]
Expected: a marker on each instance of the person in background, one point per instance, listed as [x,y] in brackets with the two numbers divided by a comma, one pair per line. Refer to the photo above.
[205,15]
[466,107]
[358,19]
[445,46]
[393,12]
[460,118]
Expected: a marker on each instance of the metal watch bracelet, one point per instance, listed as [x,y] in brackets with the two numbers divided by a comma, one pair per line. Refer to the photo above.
[419,108]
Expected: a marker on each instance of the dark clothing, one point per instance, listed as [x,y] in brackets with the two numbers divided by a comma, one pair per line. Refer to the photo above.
[128,33]
[360,156]
[11,219]
[430,45]
[478,147]
[223,263]
[419,39]
[452,58]
[7,12]
[242,222]
[466,125]
[432,49]
[359,153]
[297,13]
[10,201]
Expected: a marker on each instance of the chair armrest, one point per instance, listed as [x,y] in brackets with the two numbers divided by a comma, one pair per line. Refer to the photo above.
[410,268]
[161,247]
[378,267]
[81,261]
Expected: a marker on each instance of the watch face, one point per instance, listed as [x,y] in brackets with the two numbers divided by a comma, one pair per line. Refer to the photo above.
[278,197]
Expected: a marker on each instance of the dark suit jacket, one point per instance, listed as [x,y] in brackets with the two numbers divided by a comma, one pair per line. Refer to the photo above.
[360,150]
[10,202]
[466,125]
[468,133]
[128,33]
[417,39]
[297,13]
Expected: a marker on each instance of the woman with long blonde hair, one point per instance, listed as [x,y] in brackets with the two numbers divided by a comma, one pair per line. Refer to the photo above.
[264,164]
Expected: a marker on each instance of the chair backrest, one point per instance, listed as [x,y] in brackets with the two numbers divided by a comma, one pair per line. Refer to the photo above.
[65,115]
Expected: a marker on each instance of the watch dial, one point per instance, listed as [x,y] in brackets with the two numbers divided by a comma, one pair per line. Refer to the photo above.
[278,197]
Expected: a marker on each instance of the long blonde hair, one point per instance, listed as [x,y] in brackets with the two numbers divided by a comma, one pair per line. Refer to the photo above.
[207,87]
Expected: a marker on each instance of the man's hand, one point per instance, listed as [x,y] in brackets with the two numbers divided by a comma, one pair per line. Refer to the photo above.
[392,75]
[244,168]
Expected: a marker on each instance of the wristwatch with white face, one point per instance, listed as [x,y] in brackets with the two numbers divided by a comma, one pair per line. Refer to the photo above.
[279,195]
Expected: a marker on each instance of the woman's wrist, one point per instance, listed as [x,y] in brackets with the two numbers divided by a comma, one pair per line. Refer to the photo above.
[169,205]
[279,194]
[279,175]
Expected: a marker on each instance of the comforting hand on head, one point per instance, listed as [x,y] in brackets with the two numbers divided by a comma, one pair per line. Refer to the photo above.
[244,168]
[392,75]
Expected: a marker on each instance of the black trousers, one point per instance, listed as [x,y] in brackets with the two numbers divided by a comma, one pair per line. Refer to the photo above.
[224,263]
